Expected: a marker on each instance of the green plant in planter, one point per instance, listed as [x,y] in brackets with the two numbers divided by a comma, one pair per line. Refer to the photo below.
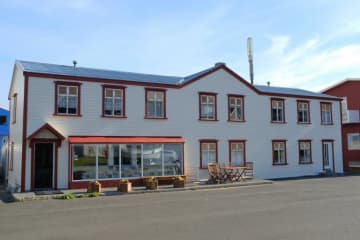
[179,182]
[151,183]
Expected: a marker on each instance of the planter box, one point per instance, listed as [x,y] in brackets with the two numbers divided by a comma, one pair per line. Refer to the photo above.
[93,187]
[151,183]
[124,187]
[179,183]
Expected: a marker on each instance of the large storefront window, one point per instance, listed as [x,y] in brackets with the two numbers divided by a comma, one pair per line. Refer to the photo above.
[113,161]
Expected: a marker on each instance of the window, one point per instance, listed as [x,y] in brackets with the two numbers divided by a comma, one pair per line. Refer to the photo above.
[305,152]
[303,112]
[155,103]
[237,152]
[11,156]
[279,152]
[208,152]
[207,106]
[67,98]
[114,161]
[113,101]
[277,111]
[14,108]
[2,120]
[353,141]
[326,113]
[236,108]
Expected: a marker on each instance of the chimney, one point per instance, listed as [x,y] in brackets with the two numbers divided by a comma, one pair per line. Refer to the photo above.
[74,62]
[268,83]
[218,64]
[250,57]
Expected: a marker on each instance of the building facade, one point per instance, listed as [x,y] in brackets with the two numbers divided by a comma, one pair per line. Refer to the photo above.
[349,90]
[71,125]
[4,133]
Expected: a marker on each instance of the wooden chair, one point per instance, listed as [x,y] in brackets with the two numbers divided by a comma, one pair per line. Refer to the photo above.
[215,173]
[249,172]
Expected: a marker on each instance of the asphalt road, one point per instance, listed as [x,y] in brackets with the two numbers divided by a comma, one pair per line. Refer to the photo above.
[325,208]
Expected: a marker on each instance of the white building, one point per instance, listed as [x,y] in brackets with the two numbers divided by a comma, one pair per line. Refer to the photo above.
[70,125]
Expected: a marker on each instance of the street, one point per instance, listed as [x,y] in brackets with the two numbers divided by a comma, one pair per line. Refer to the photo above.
[319,208]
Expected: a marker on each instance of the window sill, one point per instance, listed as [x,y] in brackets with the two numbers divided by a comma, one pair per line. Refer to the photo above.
[327,124]
[208,120]
[304,123]
[154,118]
[67,115]
[120,117]
[279,164]
[236,121]
[278,122]
[305,163]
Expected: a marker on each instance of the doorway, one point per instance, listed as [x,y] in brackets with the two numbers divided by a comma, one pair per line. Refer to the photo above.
[44,171]
[328,155]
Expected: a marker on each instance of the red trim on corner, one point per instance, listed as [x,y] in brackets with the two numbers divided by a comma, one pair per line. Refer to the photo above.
[104,87]
[67,83]
[164,105]
[242,107]
[24,130]
[279,141]
[237,141]
[215,103]
[216,148]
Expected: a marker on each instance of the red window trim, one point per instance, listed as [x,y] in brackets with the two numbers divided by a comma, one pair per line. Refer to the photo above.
[208,94]
[331,115]
[104,87]
[164,105]
[237,141]
[242,107]
[64,83]
[297,107]
[208,141]
[14,108]
[283,101]
[305,141]
[272,153]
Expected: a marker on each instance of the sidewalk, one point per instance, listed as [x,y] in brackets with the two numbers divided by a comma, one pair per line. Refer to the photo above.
[141,190]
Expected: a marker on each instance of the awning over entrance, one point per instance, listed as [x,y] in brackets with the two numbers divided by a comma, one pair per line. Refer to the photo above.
[80,139]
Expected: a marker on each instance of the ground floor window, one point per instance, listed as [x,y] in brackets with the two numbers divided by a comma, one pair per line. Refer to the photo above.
[208,152]
[305,152]
[279,152]
[113,161]
[237,153]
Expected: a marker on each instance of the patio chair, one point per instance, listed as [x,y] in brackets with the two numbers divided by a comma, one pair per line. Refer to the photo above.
[215,173]
[249,172]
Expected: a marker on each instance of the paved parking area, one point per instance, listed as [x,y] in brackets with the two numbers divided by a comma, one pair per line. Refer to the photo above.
[321,208]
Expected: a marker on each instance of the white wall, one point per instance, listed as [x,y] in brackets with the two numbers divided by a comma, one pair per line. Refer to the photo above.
[182,113]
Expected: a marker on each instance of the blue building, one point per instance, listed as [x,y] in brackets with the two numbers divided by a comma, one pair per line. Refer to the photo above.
[4,133]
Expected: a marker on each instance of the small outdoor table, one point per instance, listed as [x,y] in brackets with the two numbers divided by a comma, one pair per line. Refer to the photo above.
[234,173]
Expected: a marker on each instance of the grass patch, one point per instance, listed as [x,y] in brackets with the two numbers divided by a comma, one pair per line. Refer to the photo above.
[66,196]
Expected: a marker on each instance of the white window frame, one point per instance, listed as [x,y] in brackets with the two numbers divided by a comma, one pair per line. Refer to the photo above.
[304,110]
[306,147]
[113,99]
[238,106]
[207,105]
[67,95]
[350,139]
[158,97]
[326,113]
[279,106]
[207,151]
[279,146]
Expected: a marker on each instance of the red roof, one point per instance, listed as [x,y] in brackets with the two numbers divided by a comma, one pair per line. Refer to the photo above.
[79,139]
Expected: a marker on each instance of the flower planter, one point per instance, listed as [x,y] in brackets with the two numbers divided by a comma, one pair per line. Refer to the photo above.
[94,187]
[151,183]
[124,186]
[179,182]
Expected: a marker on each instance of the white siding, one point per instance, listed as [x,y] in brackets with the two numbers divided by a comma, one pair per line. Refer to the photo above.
[182,113]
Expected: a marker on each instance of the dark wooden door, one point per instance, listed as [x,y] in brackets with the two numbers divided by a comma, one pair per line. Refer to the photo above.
[44,165]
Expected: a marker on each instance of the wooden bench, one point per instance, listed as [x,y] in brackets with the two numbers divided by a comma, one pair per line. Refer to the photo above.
[215,174]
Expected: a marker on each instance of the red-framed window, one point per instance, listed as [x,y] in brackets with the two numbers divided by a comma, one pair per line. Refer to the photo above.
[67,98]
[113,101]
[279,152]
[305,156]
[208,152]
[277,110]
[207,106]
[303,112]
[326,113]
[236,108]
[155,103]
[237,152]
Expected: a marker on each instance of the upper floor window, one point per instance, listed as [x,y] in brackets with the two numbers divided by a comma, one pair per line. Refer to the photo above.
[67,98]
[207,108]
[279,152]
[236,108]
[2,120]
[14,108]
[305,152]
[208,152]
[277,110]
[326,113]
[155,106]
[237,152]
[113,101]
[353,141]
[303,111]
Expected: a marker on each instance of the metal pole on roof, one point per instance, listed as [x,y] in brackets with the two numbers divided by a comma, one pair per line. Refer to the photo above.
[250,57]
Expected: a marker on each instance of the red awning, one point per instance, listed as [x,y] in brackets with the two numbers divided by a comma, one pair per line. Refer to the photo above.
[79,139]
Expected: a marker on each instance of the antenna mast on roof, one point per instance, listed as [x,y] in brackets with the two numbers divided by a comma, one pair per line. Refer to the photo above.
[250,56]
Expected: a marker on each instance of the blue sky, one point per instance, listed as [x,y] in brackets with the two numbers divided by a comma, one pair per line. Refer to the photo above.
[302,44]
